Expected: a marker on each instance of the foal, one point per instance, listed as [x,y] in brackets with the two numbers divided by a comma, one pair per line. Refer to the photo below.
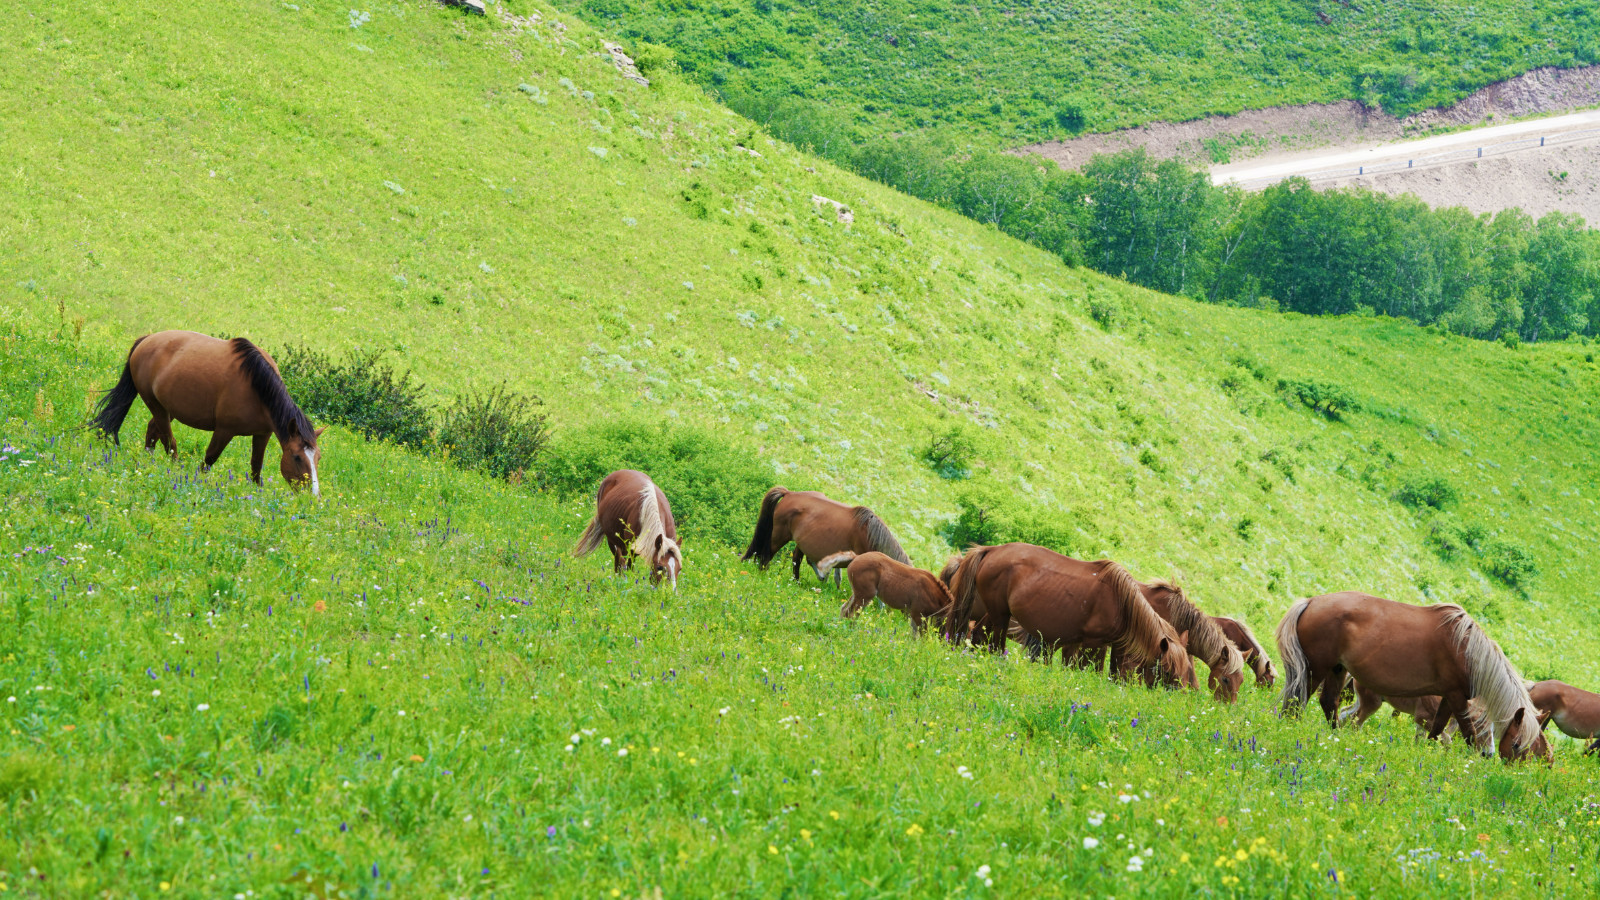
[914,592]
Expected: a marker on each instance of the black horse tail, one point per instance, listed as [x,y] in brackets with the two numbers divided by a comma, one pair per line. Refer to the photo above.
[879,536]
[963,591]
[761,548]
[115,403]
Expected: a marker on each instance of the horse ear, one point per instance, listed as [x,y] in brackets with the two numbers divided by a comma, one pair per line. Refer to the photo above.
[317,434]
[658,542]
[1166,644]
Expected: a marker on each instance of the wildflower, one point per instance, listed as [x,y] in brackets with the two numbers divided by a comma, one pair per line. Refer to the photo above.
[154,693]
[320,606]
[1240,855]
[1184,858]
[914,830]
[1483,839]
[622,751]
[550,832]
[202,707]
[724,711]
[400,712]
[964,772]
[833,814]
[166,885]
[773,850]
[1096,818]
[1135,864]
[605,742]
[415,758]
[983,871]
[1090,843]
[1125,799]
[578,737]
[805,833]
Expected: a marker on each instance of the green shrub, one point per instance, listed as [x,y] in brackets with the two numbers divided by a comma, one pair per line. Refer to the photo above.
[715,488]
[359,392]
[1105,310]
[951,453]
[499,432]
[1431,491]
[989,516]
[1510,339]
[1509,563]
[1331,400]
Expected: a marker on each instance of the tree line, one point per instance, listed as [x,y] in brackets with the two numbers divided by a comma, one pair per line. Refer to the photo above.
[1164,225]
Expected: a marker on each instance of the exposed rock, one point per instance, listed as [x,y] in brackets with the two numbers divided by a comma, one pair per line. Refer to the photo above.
[624,64]
[846,217]
[471,6]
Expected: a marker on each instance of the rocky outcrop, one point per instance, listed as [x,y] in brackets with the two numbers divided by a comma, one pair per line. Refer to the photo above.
[624,64]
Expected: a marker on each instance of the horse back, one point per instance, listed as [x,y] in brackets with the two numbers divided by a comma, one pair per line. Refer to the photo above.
[197,379]
[1063,599]
[1394,649]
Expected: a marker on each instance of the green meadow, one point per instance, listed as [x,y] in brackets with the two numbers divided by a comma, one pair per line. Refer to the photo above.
[409,688]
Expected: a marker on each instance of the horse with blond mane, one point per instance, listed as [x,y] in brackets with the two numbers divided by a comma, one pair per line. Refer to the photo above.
[819,527]
[1069,603]
[634,519]
[1203,638]
[915,592]
[1399,650]
[1255,655]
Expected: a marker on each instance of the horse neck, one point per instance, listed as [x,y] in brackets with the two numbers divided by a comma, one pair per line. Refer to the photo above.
[650,524]
[1141,627]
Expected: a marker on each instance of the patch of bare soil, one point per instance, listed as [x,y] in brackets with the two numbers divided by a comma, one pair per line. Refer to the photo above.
[1288,129]
[1550,179]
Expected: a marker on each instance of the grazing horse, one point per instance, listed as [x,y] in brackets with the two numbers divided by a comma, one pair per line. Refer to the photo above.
[229,388]
[819,527]
[634,519]
[1204,639]
[1254,654]
[1398,650]
[913,591]
[1070,604]
[1575,711]
[1420,709]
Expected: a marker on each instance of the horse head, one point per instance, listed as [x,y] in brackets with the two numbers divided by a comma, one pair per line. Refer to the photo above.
[666,560]
[300,458]
[1515,734]
[1177,668]
[1227,675]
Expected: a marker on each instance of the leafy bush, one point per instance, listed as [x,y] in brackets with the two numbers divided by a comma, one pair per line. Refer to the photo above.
[360,392]
[951,453]
[715,489]
[989,516]
[1105,310]
[499,432]
[1331,400]
[1451,539]
[1431,491]
[1509,563]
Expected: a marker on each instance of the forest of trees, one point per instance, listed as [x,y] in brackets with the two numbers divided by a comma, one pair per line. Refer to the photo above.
[1163,225]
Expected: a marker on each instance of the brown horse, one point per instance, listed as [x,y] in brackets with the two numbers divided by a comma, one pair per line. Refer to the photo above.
[1070,604]
[819,527]
[229,388]
[913,591]
[634,519]
[1398,650]
[1204,639]
[1575,711]
[1254,654]
[1420,709]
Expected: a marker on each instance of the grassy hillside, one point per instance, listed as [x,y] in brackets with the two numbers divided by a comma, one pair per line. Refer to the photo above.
[407,689]
[489,201]
[1019,73]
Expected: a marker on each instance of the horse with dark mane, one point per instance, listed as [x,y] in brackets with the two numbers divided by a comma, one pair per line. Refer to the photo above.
[819,527]
[1070,604]
[229,388]
[1399,650]
[1204,639]
[634,519]
[1255,655]
[913,591]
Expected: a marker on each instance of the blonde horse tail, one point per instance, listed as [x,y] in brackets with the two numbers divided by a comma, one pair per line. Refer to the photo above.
[879,537]
[829,563]
[1495,681]
[963,591]
[760,547]
[1296,689]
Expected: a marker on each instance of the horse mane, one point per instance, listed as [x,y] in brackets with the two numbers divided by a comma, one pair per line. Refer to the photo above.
[651,526]
[287,419]
[948,573]
[1494,679]
[1206,640]
[879,535]
[1261,663]
[1142,638]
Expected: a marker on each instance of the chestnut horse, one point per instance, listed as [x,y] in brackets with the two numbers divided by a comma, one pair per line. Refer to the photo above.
[229,388]
[819,527]
[1575,711]
[1399,650]
[634,519]
[913,591]
[1254,654]
[1420,709]
[1203,638]
[1070,604]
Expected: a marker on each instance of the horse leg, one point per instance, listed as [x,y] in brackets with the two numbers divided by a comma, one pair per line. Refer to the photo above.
[219,443]
[1447,709]
[798,556]
[160,431]
[258,454]
[1332,692]
[1366,704]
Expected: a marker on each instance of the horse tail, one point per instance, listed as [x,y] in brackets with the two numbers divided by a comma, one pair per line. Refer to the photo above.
[1494,679]
[594,533]
[1141,640]
[761,545]
[115,403]
[1296,669]
[829,563]
[963,591]
[879,537]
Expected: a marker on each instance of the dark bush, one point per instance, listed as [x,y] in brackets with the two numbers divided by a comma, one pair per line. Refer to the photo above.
[989,516]
[1331,400]
[715,489]
[951,453]
[499,432]
[358,391]
[1106,311]
[1509,563]
[1432,491]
